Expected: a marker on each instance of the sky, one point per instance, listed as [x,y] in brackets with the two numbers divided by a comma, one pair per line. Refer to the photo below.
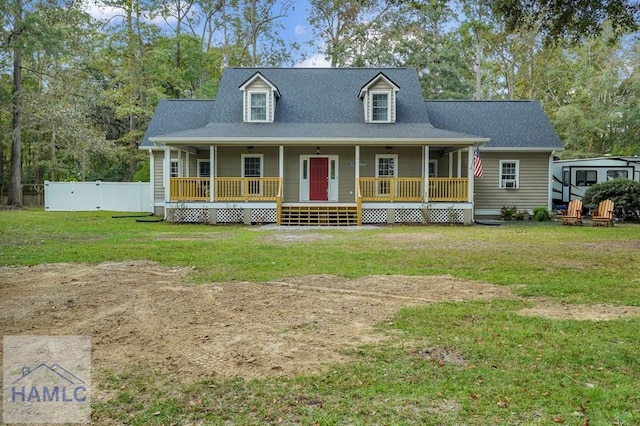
[296,28]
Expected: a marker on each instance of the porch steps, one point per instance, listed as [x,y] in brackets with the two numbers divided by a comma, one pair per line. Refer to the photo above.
[319,216]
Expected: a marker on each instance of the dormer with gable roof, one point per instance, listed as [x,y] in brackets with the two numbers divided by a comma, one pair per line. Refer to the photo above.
[379,99]
[258,99]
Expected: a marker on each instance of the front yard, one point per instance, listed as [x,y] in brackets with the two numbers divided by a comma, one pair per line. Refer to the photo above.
[190,324]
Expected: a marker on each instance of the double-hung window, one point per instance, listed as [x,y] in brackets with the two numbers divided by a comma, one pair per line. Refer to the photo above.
[509,173]
[175,168]
[258,106]
[380,107]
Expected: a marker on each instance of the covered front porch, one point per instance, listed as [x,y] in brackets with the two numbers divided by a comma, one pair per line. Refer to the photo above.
[353,196]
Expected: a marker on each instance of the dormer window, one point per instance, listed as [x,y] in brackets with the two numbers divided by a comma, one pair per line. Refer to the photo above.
[258,99]
[380,107]
[258,107]
[379,100]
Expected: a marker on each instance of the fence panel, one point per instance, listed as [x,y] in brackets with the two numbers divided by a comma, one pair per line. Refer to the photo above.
[95,196]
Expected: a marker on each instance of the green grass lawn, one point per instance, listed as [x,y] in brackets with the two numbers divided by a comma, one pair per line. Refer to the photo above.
[513,369]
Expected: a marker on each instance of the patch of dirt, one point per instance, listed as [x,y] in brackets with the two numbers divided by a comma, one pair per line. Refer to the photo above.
[548,309]
[143,312]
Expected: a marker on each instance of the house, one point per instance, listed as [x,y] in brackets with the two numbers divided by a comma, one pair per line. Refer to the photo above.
[572,178]
[343,146]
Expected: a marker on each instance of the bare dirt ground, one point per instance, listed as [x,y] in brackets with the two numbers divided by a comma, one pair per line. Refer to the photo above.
[141,312]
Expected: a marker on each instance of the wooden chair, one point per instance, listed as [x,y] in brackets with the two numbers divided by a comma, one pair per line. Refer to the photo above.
[604,214]
[573,214]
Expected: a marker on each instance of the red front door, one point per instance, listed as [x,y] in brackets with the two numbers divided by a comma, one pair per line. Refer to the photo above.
[319,179]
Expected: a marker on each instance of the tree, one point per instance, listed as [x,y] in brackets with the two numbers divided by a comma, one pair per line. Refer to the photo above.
[339,24]
[25,27]
[570,19]
[419,35]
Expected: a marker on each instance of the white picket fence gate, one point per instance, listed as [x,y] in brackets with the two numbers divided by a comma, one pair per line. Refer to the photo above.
[96,196]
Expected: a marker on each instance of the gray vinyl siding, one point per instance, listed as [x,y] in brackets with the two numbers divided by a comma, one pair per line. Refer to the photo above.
[158,187]
[533,190]
[409,161]
[229,160]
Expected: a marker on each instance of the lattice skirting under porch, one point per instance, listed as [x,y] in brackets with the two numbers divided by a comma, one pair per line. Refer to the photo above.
[189,215]
[264,215]
[230,215]
[413,216]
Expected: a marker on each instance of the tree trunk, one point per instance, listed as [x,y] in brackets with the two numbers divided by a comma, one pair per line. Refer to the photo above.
[14,197]
[478,69]
[54,159]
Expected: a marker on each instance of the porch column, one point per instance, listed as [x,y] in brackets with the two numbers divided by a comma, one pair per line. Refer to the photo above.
[450,156]
[357,171]
[166,173]
[459,163]
[152,181]
[187,172]
[212,172]
[281,162]
[425,153]
[470,173]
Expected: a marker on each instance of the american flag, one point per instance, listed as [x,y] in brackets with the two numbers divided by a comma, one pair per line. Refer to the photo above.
[477,163]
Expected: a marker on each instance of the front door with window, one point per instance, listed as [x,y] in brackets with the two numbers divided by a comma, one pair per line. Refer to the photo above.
[319,179]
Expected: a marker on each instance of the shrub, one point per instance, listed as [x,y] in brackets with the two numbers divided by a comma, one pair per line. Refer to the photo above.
[624,193]
[541,214]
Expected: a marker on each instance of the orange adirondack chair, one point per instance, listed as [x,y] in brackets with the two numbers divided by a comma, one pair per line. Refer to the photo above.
[573,214]
[604,214]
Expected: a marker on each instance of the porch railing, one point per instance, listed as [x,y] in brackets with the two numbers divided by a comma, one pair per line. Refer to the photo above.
[269,189]
[227,189]
[448,189]
[411,189]
[189,189]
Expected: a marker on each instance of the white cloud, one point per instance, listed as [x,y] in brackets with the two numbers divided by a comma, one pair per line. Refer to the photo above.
[316,61]
[300,30]
[100,11]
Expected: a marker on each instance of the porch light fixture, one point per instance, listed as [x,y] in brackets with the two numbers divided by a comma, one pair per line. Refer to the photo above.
[317,150]
[249,149]
[388,149]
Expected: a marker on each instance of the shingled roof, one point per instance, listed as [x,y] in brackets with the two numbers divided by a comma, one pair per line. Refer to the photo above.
[314,103]
[324,104]
[510,124]
[173,116]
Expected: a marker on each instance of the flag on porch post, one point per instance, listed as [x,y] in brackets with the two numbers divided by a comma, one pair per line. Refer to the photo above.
[477,163]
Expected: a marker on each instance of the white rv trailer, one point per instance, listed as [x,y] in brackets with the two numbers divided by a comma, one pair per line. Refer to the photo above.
[572,178]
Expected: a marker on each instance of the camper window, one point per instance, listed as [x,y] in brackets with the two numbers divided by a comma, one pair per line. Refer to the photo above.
[586,177]
[617,174]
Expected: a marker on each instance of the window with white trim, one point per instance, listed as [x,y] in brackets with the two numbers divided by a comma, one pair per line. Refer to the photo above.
[385,170]
[509,173]
[380,107]
[204,168]
[258,109]
[252,167]
[175,168]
